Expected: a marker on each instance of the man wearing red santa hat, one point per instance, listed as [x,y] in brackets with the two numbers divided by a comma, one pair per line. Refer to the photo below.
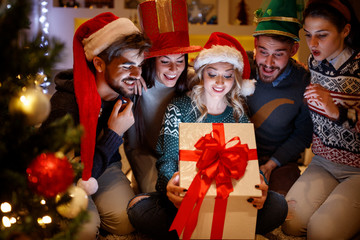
[108,54]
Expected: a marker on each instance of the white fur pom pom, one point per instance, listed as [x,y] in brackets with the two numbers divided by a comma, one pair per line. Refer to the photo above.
[90,186]
[248,87]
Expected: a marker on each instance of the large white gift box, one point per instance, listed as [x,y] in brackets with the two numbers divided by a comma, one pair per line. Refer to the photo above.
[240,215]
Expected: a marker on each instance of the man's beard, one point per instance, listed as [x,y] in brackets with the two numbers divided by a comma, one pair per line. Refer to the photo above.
[264,78]
[121,89]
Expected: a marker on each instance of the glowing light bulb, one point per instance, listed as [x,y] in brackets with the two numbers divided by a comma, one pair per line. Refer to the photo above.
[46,219]
[42,19]
[5,207]
[6,221]
[40,221]
[12,220]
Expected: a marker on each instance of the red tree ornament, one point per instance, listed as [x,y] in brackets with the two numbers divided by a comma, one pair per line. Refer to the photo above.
[50,174]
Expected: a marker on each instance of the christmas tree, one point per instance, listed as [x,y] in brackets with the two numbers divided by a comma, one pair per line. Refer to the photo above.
[37,198]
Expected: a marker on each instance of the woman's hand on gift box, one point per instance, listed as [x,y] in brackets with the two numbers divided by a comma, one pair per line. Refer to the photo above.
[173,190]
[258,202]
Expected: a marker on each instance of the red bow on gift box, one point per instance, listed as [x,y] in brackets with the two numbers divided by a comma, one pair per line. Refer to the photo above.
[214,162]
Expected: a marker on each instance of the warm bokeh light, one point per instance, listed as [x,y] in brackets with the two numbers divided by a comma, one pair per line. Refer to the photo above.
[5,207]
[12,220]
[6,221]
[44,220]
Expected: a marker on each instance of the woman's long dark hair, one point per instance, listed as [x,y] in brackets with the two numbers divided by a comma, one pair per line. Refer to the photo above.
[149,75]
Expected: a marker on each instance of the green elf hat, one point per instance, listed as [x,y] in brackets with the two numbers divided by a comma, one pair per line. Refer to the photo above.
[281,17]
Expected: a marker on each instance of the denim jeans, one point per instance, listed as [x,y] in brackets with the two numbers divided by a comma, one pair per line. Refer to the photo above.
[153,215]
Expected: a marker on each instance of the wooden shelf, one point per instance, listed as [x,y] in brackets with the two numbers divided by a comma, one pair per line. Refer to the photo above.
[61,20]
[227,28]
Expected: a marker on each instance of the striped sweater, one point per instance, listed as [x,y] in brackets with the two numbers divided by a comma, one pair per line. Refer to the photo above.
[337,141]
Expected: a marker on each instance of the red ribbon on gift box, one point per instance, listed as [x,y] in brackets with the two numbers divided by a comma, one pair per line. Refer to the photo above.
[214,162]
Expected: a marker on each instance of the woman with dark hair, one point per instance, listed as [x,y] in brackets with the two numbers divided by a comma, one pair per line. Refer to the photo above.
[324,201]
[150,73]
[165,73]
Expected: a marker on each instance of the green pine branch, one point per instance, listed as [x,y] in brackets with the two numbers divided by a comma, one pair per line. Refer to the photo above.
[20,143]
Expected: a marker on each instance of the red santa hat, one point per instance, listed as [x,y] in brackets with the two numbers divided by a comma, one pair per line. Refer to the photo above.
[222,47]
[90,39]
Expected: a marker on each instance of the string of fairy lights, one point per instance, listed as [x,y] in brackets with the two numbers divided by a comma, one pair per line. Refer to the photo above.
[44,27]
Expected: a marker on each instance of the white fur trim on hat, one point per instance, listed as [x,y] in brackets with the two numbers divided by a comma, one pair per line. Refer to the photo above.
[248,87]
[104,37]
[90,186]
[220,53]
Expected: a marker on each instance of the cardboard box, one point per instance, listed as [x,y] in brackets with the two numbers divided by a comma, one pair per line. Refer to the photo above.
[240,219]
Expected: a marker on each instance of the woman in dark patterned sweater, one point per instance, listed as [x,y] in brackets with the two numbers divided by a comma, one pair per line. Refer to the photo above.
[324,202]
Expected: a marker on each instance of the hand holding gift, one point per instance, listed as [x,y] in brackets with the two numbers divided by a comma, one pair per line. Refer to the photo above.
[173,191]
[258,202]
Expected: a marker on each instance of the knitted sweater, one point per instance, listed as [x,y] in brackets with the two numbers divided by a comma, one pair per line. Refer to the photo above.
[180,109]
[283,126]
[153,103]
[64,102]
[337,141]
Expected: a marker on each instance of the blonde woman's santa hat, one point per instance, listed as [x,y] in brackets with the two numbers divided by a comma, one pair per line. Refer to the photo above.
[90,39]
[222,47]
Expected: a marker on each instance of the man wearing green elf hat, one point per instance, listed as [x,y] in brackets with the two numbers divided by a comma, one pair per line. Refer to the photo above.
[281,118]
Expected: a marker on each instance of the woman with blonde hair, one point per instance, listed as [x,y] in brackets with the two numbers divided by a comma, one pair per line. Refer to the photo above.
[218,88]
